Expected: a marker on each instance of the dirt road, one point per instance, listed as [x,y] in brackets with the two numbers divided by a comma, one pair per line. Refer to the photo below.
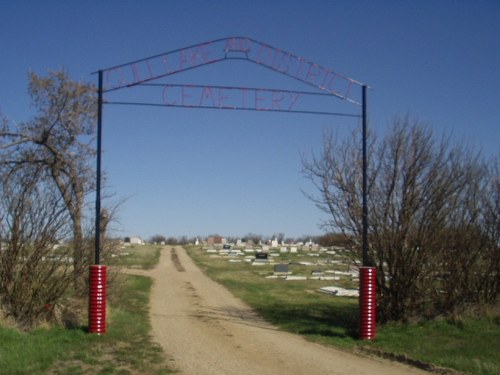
[206,331]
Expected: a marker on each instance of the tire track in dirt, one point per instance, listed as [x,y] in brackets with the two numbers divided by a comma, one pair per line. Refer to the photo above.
[175,260]
[207,331]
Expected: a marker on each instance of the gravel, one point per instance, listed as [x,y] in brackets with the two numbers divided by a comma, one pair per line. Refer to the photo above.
[205,330]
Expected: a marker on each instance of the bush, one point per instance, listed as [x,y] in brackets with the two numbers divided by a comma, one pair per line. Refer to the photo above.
[433,213]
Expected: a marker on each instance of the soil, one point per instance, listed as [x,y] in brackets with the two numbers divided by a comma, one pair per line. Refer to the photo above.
[207,331]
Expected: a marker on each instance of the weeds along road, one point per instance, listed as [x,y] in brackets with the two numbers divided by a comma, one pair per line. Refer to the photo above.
[207,331]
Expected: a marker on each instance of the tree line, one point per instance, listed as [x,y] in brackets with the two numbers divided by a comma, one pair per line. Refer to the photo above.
[434,217]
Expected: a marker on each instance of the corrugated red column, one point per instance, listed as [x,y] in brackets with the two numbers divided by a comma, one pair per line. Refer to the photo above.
[367,302]
[97,299]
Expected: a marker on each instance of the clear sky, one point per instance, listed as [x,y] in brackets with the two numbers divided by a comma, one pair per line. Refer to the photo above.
[204,171]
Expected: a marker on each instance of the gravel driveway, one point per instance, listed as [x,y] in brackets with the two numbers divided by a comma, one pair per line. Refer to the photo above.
[206,330]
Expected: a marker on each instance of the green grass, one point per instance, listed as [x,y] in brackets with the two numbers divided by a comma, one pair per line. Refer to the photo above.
[126,347]
[137,256]
[470,345]
[292,305]
[34,353]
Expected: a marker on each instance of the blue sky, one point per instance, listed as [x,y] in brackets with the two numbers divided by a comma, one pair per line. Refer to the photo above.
[198,172]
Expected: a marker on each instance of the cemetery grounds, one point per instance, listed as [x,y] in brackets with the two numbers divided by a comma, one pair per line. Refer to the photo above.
[207,330]
[464,345]
[468,345]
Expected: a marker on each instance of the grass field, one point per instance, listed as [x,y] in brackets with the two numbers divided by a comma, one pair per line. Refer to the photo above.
[468,345]
[126,348]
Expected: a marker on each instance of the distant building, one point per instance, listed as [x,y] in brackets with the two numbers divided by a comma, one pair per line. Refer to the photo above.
[216,240]
[134,241]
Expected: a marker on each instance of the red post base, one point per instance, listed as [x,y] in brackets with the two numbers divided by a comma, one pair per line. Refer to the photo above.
[97,299]
[367,302]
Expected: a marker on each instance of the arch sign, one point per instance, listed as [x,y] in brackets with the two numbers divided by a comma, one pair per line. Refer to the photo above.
[169,63]
[326,84]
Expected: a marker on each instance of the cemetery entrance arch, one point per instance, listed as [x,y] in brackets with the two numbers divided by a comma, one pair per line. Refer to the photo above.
[325,82]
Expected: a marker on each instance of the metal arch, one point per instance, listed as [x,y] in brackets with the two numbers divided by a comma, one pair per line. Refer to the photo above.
[139,72]
[232,48]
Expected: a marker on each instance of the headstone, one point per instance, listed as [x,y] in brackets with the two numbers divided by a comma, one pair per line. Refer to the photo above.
[281,268]
[293,249]
[291,278]
[337,291]
[261,256]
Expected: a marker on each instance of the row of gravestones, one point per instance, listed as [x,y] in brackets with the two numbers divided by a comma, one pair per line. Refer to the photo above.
[262,258]
[283,271]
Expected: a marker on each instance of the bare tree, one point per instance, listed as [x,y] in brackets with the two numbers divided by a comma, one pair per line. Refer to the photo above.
[490,221]
[34,273]
[158,239]
[59,138]
[425,210]
[336,174]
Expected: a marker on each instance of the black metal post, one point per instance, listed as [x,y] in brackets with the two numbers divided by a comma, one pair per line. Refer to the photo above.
[366,258]
[98,173]
[367,273]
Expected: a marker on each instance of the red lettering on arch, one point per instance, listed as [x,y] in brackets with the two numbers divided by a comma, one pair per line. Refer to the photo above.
[327,74]
[203,54]
[183,59]
[222,98]
[259,99]
[263,55]
[165,97]
[115,78]
[237,44]
[185,95]
[244,97]
[331,83]
[136,73]
[150,70]
[294,100]
[165,60]
[207,94]
[348,91]
[312,74]
[231,44]
[276,99]
[285,64]
[298,72]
